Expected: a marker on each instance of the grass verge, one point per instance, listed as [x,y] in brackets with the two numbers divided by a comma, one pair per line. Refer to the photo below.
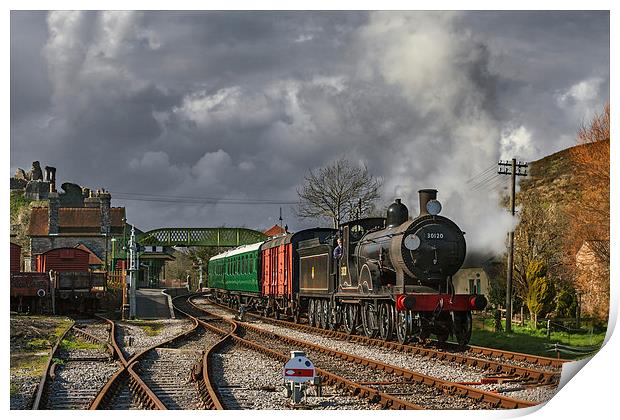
[533,341]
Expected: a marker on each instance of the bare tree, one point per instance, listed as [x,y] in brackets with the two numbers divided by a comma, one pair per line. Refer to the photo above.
[338,190]
[592,165]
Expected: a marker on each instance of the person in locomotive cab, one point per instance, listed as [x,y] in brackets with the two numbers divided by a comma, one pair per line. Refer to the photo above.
[338,250]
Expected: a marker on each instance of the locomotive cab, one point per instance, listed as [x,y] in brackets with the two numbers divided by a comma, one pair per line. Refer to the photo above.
[349,265]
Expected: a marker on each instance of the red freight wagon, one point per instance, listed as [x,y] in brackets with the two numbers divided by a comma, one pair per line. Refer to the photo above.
[16,255]
[279,274]
[277,267]
[63,260]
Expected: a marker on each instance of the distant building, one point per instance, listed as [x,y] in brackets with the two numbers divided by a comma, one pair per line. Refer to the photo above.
[275,230]
[593,278]
[474,281]
[90,227]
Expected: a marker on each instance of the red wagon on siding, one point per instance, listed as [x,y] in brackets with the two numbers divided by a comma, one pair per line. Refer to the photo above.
[16,256]
[63,260]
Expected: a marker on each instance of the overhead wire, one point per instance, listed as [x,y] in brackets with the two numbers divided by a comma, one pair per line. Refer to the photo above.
[486,182]
[481,173]
[194,200]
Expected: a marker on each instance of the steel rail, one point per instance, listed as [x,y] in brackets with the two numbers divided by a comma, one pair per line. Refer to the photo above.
[454,388]
[143,393]
[48,366]
[541,376]
[356,389]
[201,371]
[386,400]
[519,357]
[491,398]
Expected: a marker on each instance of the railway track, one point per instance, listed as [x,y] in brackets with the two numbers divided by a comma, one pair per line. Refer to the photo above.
[79,365]
[390,385]
[222,395]
[500,364]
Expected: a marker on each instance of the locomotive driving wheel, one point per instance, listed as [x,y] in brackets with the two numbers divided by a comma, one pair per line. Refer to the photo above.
[320,313]
[325,312]
[369,320]
[350,314]
[311,313]
[386,321]
[403,326]
[462,327]
[333,318]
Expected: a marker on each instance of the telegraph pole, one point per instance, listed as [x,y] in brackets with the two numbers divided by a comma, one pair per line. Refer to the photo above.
[514,169]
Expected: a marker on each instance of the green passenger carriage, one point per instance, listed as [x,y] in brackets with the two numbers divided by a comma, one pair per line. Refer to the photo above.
[236,270]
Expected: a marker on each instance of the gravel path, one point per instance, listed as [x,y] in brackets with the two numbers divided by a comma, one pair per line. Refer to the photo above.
[248,380]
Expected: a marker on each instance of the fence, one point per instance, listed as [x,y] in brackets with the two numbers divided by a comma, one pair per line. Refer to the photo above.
[117,279]
[172,283]
[578,351]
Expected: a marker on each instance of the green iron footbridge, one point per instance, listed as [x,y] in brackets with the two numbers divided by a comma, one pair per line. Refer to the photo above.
[209,237]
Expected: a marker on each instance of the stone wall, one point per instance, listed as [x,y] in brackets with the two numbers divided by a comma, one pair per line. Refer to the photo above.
[37,190]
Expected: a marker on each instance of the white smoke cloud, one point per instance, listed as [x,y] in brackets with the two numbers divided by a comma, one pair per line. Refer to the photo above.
[441,71]
[517,143]
[582,99]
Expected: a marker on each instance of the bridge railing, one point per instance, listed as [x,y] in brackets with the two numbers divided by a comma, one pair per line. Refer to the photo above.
[220,237]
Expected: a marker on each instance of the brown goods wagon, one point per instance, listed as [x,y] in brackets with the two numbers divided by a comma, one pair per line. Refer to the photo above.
[80,280]
[30,284]
[280,264]
[16,254]
[63,260]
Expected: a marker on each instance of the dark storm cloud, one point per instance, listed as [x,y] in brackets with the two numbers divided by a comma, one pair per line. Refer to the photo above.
[30,92]
[241,105]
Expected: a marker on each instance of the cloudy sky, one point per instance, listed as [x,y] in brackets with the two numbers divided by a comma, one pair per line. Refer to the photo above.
[238,106]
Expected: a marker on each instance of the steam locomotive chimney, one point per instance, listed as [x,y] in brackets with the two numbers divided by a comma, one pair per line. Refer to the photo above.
[425,197]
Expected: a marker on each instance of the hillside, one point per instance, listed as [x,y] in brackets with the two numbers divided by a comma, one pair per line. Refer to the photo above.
[553,179]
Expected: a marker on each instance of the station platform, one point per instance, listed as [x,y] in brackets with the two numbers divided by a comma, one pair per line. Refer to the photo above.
[152,304]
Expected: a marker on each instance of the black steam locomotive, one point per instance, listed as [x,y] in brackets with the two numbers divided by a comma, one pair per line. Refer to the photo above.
[394,277]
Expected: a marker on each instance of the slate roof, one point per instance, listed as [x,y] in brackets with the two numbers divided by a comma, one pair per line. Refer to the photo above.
[87,219]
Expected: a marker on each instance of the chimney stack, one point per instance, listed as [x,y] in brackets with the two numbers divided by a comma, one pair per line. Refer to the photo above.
[104,200]
[50,176]
[91,201]
[425,197]
[52,214]
[53,178]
